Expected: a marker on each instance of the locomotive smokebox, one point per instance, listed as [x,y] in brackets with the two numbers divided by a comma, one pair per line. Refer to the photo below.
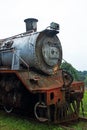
[31,24]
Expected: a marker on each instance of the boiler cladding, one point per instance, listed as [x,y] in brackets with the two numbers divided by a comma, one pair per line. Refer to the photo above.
[40,50]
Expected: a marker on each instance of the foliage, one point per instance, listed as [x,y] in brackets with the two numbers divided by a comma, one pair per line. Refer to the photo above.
[83,76]
[85,81]
[68,67]
[85,103]
[77,75]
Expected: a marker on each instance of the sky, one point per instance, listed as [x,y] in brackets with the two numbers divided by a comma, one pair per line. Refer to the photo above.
[70,14]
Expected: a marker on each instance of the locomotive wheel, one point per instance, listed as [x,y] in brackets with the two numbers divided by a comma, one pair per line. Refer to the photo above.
[8,109]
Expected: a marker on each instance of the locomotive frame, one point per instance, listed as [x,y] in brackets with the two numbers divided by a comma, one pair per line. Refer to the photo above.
[53,103]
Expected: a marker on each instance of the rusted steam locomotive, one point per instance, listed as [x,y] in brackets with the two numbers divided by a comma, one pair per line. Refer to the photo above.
[31,77]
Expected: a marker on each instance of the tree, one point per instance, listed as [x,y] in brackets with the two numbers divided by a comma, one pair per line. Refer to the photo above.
[69,68]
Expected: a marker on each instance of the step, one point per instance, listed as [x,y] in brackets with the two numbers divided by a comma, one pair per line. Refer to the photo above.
[42,106]
[42,119]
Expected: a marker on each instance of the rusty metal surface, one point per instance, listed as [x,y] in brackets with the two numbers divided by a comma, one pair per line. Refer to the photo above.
[36,82]
[51,85]
[60,105]
[78,86]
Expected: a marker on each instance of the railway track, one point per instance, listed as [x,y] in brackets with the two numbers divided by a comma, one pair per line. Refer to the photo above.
[80,124]
[83,119]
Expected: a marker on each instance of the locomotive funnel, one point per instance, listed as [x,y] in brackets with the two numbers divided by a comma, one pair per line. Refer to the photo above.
[31,24]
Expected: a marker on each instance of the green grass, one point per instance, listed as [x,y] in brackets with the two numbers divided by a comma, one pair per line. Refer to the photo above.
[16,123]
[85,103]
[10,122]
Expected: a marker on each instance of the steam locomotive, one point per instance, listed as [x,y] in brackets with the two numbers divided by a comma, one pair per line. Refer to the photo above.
[31,77]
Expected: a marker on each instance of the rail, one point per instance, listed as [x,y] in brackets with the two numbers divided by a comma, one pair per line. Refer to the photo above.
[72,125]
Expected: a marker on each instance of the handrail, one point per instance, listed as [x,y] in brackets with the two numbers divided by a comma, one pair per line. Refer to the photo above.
[23,61]
[13,51]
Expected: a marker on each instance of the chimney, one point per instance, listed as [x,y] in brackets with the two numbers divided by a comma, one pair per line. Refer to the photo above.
[31,24]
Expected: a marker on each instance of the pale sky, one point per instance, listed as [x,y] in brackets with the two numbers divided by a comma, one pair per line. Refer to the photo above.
[70,14]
